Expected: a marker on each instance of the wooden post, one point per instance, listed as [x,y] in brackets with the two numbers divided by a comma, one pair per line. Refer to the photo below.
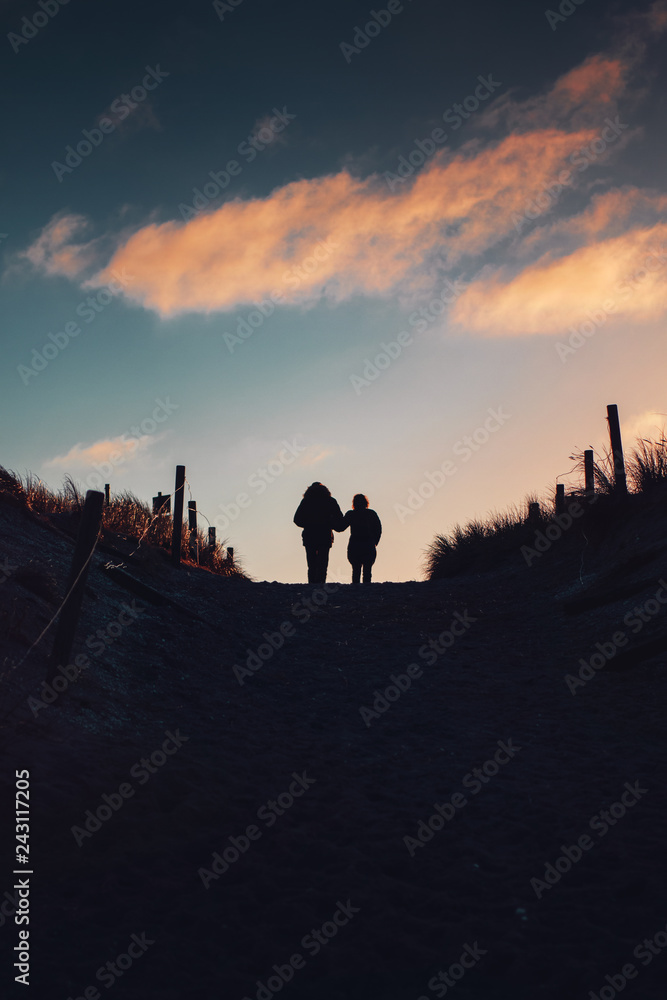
[177,532]
[107,494]
[560,498]
[211,537]
[533,511]
[161,504]
[230,554]
[192,527]
[589,473]
[91,518]
[620,481]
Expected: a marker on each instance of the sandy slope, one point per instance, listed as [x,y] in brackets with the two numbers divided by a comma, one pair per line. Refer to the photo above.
[343,838]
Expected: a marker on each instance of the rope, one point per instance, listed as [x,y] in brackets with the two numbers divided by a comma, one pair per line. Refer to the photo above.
[573,469]
[64,601]
[205,517]
[198,512]
[108,565]
[160,512]
[78,577]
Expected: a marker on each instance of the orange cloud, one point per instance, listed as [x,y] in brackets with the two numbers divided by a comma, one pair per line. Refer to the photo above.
[339,236]
[627,273]
[314,454]
[649,424]
[580,98]
[657,16]
[113,450]
[598,79]
[54,252]
[608,214]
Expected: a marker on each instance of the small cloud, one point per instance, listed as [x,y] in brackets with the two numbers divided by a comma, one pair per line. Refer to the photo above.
[266,135]
[59,250]
[136,119]
[54,251]
[650,424]
[578,99]
[314,454]
[112,450]
[657,17]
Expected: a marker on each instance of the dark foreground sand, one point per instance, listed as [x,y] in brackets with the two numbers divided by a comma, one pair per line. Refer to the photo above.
[408,912]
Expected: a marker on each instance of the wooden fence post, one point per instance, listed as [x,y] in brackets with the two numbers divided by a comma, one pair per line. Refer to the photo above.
[161,504]
[560,498]
[533,511]
[211,537]
[620,481]
[589,473]
[91,518]
[192,528]
[177,532]
[107,494]
[230,554]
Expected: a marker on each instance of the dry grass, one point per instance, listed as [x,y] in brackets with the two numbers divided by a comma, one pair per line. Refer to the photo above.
[647,467]
[126,516]
[481,544]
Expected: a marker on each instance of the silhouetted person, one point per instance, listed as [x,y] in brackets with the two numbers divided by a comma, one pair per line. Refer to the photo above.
[365,532]
[318,513]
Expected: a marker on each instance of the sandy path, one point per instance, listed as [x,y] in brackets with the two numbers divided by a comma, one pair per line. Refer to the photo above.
[343,838]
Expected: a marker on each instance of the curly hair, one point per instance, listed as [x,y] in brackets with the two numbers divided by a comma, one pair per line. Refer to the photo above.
[317,490]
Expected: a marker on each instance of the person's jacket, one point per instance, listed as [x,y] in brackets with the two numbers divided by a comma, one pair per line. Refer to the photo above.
[318,516]
[364,524]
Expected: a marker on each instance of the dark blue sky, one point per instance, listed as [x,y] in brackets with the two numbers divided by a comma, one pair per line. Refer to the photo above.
[293,376]
[226,75]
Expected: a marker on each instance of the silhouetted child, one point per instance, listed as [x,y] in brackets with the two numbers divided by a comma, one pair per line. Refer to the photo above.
[365,532]
[318,513]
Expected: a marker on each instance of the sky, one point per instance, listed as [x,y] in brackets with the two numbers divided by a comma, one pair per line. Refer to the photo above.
[410,250]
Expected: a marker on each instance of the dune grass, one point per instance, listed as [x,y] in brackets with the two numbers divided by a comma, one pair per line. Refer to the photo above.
[126,516]
[480,544]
